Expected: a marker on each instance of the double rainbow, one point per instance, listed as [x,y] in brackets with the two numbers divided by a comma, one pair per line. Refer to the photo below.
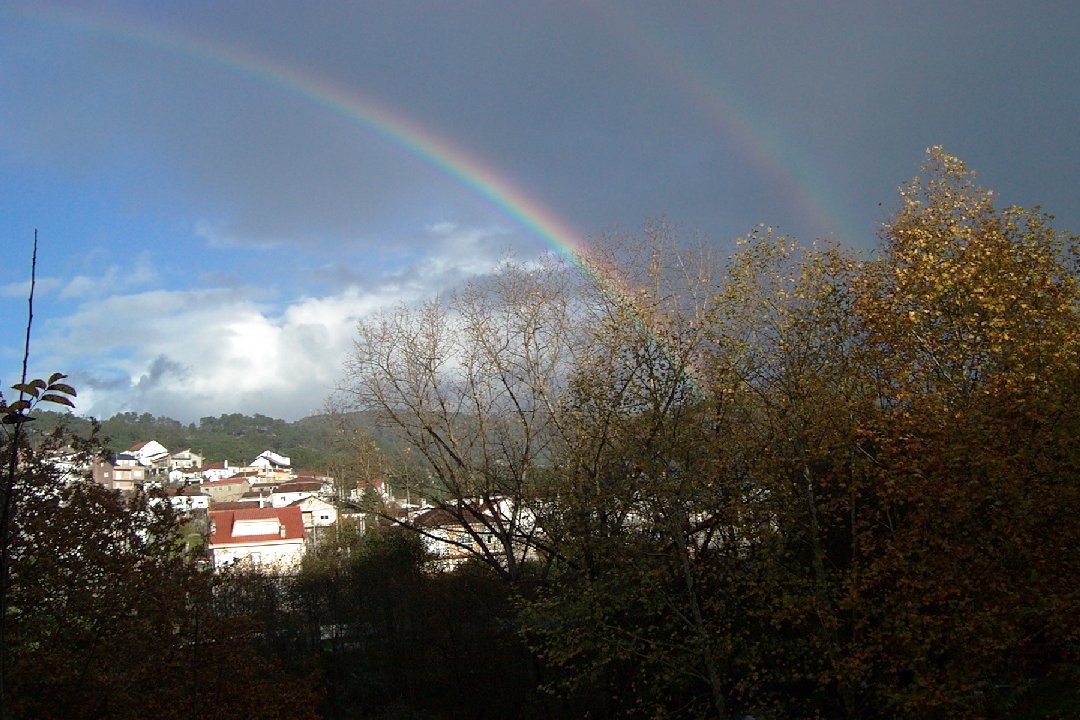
[433,149]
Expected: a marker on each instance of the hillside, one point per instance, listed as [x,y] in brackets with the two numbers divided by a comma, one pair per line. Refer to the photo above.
[312,442]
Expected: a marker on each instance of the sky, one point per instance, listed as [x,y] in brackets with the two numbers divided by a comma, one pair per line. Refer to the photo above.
[222,190]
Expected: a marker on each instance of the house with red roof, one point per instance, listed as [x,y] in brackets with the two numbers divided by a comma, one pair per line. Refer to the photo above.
[149,453]
[288,493]
[269,539]
[452,538]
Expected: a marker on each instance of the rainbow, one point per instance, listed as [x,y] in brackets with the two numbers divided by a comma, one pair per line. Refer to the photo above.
[371,114]
[379,118]
[719,102]
[368,112]
[363,110]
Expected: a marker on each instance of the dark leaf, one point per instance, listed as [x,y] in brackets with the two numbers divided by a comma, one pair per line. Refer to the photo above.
[58,399]
[18,406]
[62,388]
[27,388]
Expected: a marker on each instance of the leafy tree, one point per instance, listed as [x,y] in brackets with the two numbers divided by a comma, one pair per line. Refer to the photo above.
[107,616]
[972,324]
[694,504]
[394,641]
[824,485]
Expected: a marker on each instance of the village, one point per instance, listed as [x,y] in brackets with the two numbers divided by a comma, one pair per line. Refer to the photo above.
[267,515]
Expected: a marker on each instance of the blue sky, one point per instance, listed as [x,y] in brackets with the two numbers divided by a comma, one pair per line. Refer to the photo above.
[212,225]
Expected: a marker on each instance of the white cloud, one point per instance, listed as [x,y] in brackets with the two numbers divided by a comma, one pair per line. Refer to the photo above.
[221,235]
[442,228]
[139,273]
[21,289]
[192,353]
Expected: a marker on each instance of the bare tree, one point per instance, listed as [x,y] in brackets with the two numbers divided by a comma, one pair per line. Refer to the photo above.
[474,384]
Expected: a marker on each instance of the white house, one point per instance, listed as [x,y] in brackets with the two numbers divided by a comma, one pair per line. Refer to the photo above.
[317,513]
[318,516]
[270,539]
[149,453]
[188,498]
[449,541]
[185,475]
[185,460]
[268,460]
[288,493]
[218,471]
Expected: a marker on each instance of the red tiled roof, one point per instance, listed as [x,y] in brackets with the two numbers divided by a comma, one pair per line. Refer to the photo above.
[226,481]
[439,517]
[223,522]
[231,505]
[139,446]
[301,501]
[299,486]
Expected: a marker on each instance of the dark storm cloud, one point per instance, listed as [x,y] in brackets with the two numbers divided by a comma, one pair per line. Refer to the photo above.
[602,112]
[227,199]
[160,369]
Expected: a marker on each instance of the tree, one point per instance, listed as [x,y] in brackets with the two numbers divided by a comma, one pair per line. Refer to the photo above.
[834,486]
[695,498]
[799,484]
[108,616]
[472,386]
[972,324]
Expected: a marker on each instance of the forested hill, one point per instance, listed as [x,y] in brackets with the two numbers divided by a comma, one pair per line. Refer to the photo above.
[310,442]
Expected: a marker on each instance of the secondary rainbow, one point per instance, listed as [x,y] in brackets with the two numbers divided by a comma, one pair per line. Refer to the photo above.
[380,118]
[805,182]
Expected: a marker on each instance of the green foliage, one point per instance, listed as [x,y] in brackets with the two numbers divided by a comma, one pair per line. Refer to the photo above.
[394,641]
[104,602]
[31,394]
[310,442]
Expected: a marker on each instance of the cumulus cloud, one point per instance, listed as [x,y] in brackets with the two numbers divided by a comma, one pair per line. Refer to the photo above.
[192,353]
